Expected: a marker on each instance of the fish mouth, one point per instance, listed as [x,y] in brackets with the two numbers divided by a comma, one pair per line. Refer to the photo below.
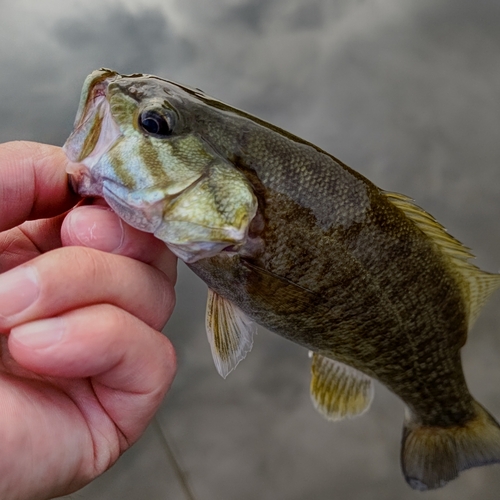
[95,130]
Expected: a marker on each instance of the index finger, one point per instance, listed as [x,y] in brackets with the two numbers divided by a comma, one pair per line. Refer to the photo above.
[33,182]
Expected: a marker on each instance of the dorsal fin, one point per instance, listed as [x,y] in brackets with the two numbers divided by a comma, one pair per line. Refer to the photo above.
[477,285]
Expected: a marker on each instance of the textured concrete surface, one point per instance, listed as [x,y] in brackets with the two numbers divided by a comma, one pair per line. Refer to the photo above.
[407,93]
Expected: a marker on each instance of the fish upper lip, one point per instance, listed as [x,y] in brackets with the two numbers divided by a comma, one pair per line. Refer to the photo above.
[96,107]
[94,101]
[99,81]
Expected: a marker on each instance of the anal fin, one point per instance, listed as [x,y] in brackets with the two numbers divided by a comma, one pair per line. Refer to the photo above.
[230,333]
[339,391]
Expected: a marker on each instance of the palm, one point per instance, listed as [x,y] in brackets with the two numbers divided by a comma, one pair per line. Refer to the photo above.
[44,424]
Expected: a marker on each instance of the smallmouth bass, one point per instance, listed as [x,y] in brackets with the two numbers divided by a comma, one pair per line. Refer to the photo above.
[287,236]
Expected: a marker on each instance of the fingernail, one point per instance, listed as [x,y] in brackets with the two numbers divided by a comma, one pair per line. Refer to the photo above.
[40,334]
[102,230]
[18,290]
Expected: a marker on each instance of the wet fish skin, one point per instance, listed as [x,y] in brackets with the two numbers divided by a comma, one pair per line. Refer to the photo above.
[326,253]
[308,248]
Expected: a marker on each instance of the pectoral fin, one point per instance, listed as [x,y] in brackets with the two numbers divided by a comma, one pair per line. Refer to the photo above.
[230,333]
[339,391]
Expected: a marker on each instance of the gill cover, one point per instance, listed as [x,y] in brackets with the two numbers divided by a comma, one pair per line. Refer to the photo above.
[135,147]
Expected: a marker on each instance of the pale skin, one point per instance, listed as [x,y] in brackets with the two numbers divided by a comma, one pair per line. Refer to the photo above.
[83,297]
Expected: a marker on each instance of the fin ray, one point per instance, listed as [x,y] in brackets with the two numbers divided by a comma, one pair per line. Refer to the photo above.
[339,391]
[432,456]
[229,331]
[477,285]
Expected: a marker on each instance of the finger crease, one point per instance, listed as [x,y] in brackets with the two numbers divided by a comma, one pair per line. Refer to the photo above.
[27,236]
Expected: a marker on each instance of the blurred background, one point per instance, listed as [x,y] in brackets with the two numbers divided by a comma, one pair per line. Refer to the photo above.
[405,92]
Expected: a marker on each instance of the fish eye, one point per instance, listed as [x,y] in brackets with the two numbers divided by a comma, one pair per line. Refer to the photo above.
[156,123]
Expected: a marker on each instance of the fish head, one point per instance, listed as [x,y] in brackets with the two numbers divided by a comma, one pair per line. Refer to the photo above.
[135,143]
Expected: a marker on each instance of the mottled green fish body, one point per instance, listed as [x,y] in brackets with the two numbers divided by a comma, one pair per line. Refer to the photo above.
[287,236]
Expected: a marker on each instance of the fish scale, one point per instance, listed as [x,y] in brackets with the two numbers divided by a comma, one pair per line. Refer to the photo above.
[287,236]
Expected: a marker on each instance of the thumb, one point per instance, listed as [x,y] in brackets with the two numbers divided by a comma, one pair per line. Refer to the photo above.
[97,226]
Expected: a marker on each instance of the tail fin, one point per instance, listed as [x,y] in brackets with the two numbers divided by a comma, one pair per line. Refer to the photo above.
[432,456]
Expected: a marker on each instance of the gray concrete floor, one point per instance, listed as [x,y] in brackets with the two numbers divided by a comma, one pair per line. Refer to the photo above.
[405,92]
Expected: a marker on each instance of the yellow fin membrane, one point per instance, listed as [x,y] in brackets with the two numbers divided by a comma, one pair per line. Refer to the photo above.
[432,456]
[230,333]
[339,391]
[476,285]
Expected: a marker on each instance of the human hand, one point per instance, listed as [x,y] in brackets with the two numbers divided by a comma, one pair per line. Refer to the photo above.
[83,367]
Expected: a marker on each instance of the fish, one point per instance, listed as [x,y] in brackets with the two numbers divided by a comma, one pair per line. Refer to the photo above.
[287,236]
